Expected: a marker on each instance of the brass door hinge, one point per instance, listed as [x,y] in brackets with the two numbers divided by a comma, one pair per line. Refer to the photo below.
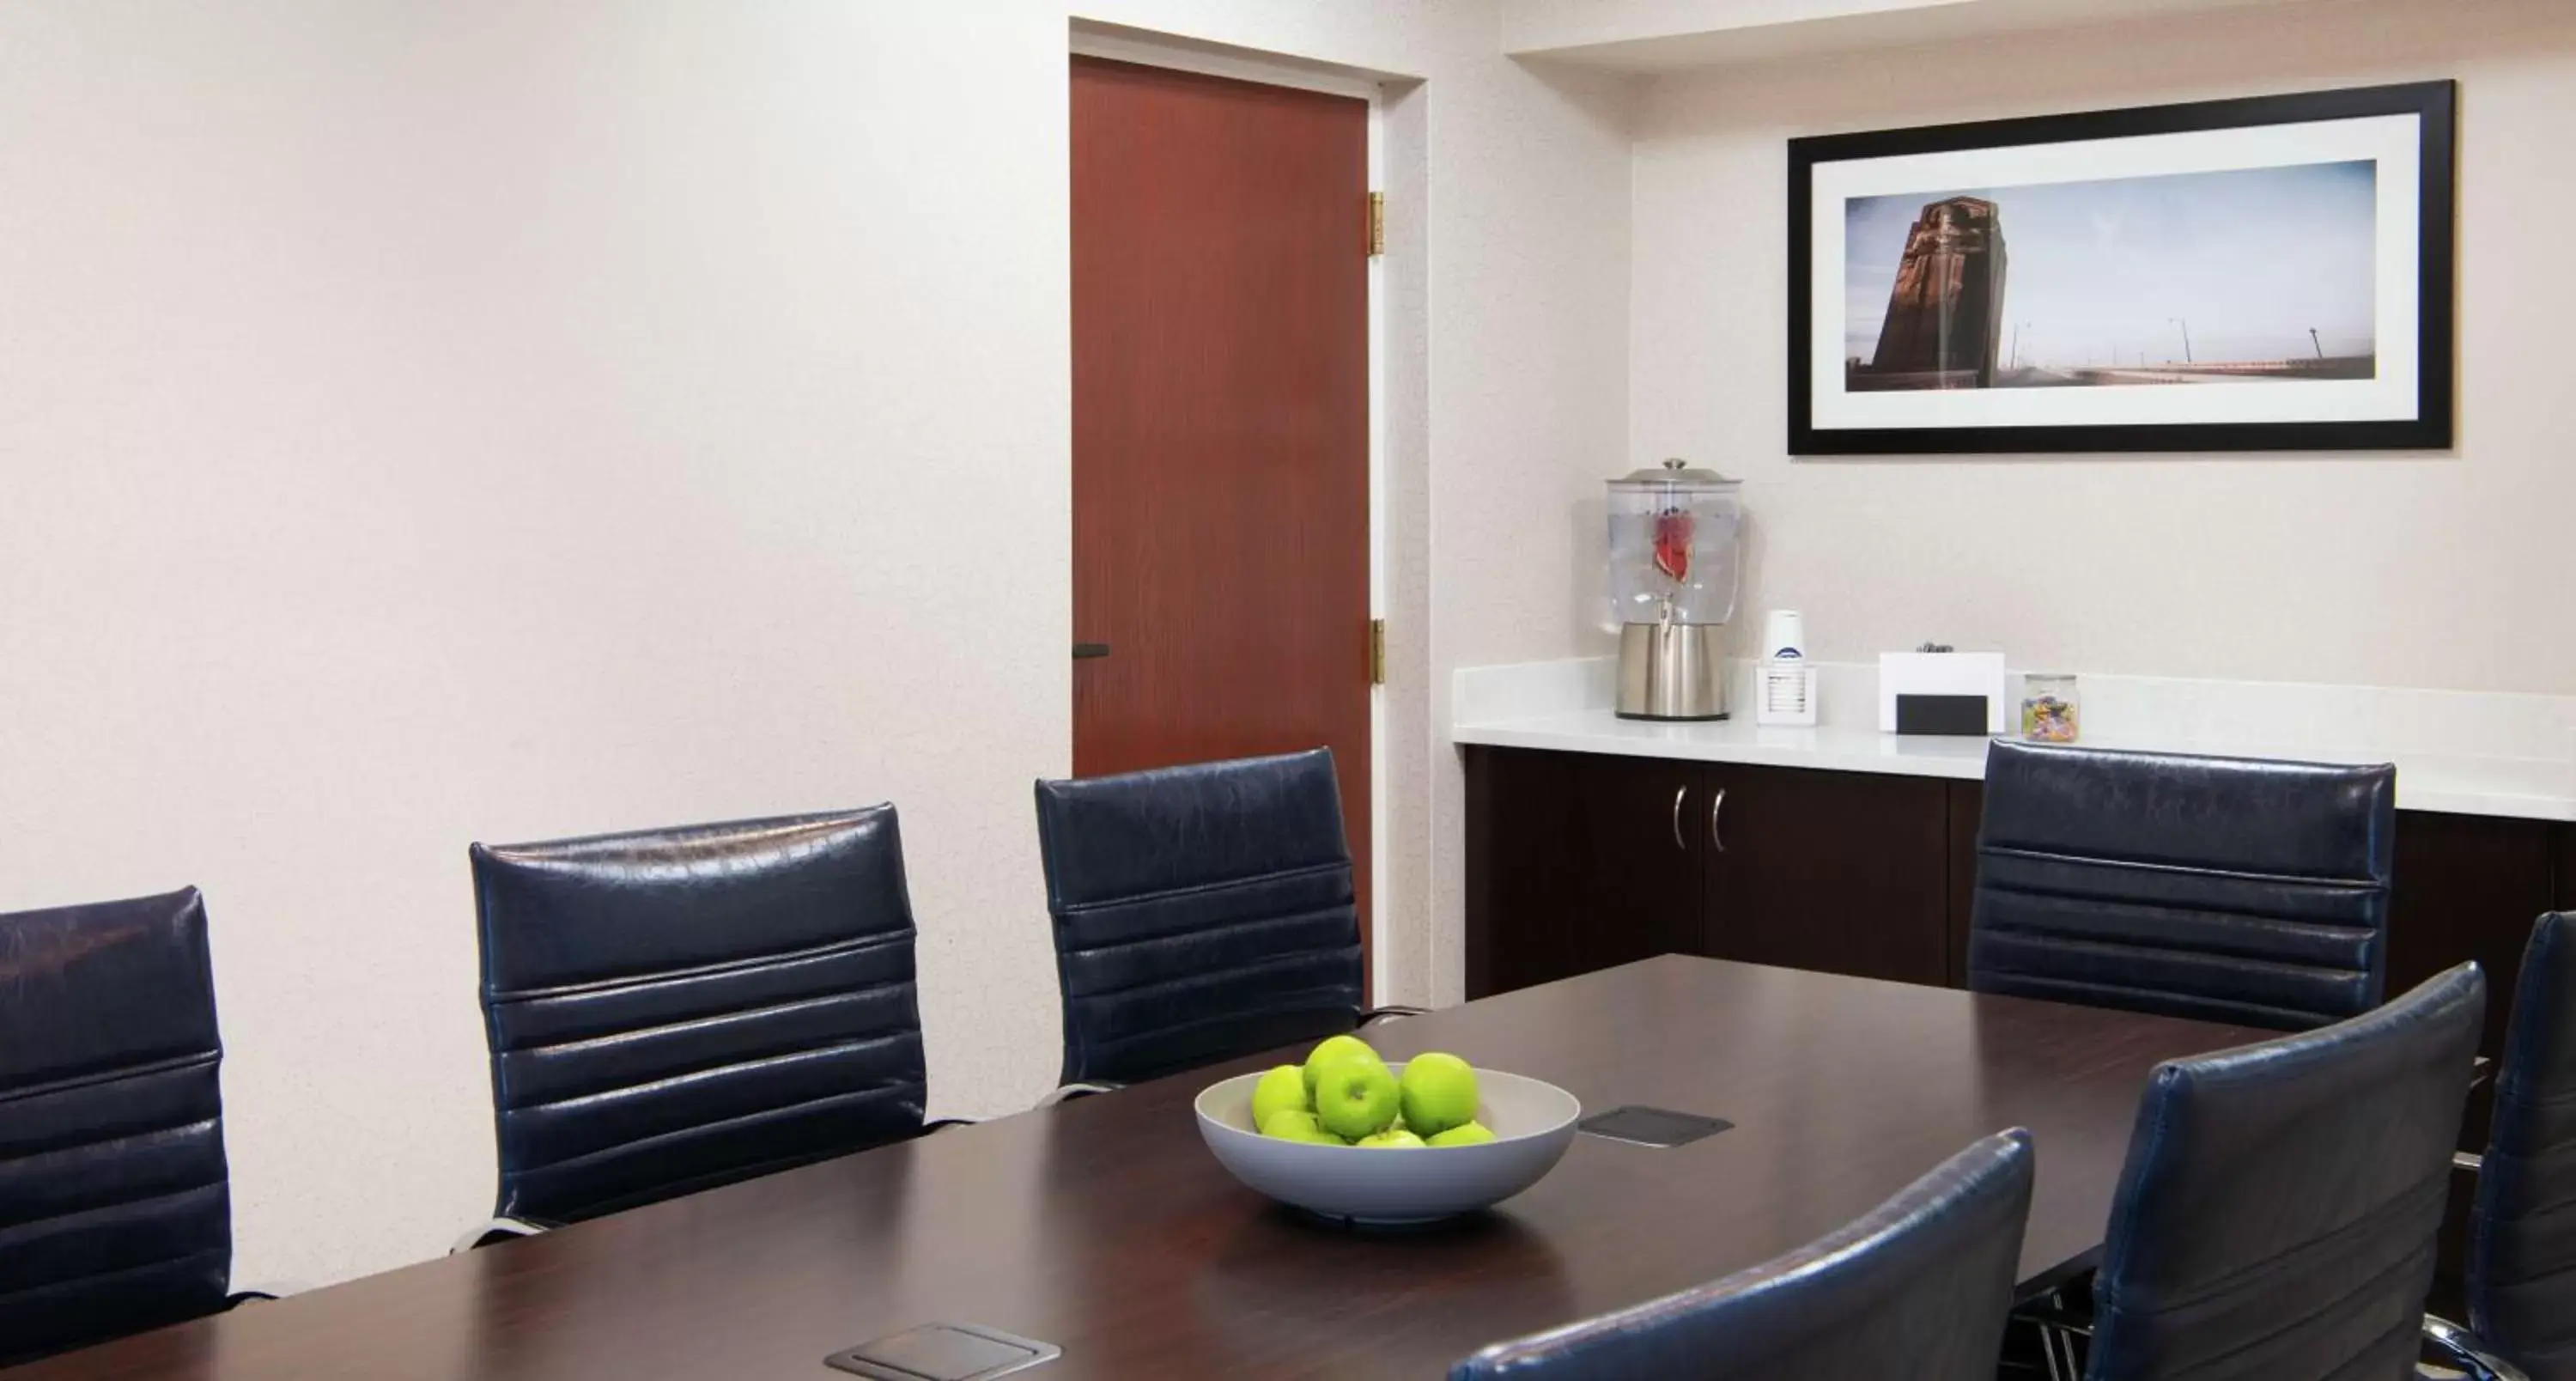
[1377,224]
[1377,652]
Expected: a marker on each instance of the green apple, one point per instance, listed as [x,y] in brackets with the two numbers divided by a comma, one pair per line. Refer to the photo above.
[1279,1090]
[1355,1097]
[1317,1137]
[1464,1134]
[1291,1124]
[1334,1048]
[1439,1093]
[1390,1137]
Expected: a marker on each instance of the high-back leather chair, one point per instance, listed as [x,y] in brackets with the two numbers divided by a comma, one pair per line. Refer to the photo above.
[673,1010]
[1917,1288]
[1201,913]
[2522,1233]
[115,1199]
[2278,1210]
[2224,889]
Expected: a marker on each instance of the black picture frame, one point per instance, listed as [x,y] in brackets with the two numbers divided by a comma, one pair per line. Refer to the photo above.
[2433,102]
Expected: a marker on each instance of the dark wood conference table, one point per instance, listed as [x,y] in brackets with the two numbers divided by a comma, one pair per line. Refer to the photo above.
[1105,1227]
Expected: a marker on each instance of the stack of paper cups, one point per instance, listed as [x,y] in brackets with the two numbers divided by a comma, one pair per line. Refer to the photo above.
[1784,636]
[1786,689]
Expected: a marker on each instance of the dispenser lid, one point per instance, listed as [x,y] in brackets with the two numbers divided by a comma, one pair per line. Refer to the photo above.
[1673,473]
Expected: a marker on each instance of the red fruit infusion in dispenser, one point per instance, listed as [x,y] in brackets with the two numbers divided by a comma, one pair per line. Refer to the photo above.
[1673,543]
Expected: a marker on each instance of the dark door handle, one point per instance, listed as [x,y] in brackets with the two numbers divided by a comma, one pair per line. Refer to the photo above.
[1083,652]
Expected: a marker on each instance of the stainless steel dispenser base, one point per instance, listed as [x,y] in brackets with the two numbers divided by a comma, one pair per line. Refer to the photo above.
[1671,671]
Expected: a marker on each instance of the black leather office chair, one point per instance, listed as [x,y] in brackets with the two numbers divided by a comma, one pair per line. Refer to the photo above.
[1917,1288]
[2224,889]
[2522,1233]
[1201,913]
[673,1010]
[2278,1211]
[115,1199]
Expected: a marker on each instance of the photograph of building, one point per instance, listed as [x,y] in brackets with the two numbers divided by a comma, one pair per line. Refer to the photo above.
[2263,274]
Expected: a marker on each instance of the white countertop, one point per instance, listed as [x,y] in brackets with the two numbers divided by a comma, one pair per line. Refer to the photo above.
[2527,788]
[2538,787]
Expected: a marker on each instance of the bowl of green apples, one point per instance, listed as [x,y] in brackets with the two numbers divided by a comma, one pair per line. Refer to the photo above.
[1349,1136]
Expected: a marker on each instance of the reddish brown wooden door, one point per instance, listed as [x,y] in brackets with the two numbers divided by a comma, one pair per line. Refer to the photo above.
[1220,425]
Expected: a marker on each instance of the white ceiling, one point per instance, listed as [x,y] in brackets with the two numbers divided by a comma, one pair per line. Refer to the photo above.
[1668,35]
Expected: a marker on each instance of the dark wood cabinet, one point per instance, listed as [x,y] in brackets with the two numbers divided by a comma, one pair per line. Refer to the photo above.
[1580,861]
[2566,898]
[2468,887]
[1967,812]
[1577,862]
[1840,872]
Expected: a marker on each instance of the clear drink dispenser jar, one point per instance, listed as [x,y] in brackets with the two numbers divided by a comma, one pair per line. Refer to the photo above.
[1674,545]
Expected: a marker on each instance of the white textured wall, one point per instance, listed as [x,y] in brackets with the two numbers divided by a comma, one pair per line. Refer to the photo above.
[509,418]
[497,420]
[2391,569]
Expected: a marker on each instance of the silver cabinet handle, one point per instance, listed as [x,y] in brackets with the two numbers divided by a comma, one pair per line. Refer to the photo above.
[1678,842]
[1716,803]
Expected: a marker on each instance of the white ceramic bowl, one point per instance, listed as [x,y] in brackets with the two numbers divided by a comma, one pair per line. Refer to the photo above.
[1532,1123]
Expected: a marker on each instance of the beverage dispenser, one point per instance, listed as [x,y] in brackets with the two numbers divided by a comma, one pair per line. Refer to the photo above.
[1673,566]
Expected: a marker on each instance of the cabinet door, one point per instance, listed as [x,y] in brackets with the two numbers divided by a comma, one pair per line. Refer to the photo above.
[1967,816]
[1840,872]
[2467,887]
[1576,862]
[2566,898]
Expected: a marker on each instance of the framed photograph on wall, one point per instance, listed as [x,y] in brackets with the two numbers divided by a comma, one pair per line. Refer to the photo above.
[2264,274]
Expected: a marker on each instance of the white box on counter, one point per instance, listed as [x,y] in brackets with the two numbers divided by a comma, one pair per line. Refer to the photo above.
[1934,683]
